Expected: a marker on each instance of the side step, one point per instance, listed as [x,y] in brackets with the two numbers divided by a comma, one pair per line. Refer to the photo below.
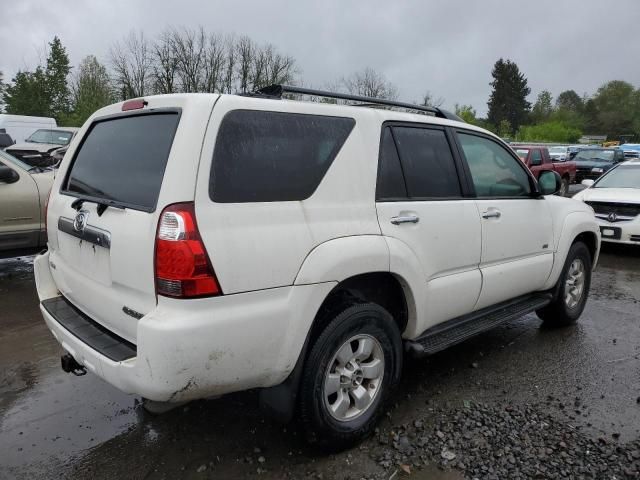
[462,328]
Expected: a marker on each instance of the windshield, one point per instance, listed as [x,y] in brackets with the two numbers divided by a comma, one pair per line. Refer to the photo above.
[558,150]
[602,155]
[56,137]
[13,160]
[522,152]
[625,176]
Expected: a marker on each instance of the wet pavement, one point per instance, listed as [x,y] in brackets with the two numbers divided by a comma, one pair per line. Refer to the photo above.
[55,425]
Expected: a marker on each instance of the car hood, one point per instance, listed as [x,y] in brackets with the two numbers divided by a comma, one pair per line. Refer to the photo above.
[622,195]
[593,163]
[36,147]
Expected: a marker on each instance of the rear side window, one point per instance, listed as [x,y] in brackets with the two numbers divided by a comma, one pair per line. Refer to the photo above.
[390,178]
[273,156]
[122,160]
[427,162]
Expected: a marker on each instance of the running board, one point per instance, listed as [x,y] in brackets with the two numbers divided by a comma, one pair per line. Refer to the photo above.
[462,328]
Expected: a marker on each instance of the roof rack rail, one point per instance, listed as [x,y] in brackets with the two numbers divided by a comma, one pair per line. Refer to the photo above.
[276,91]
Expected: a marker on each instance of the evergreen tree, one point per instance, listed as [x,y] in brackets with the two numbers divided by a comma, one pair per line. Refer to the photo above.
[508,100]
[27,94]
[57,72]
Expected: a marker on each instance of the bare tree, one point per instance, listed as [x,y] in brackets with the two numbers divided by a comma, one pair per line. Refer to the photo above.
[131,63]
[428,100]
[245,48]
[189,51]
[214,64]
[370,83]
[165,65]
[230,64]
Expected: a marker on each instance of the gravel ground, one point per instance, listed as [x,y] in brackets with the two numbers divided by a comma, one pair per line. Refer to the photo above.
[515,442]
[520,401]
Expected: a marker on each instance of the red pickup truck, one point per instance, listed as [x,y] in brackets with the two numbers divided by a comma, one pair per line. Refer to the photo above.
[537,159]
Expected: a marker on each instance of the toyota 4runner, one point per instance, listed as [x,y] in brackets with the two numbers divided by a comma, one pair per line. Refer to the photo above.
[201,244]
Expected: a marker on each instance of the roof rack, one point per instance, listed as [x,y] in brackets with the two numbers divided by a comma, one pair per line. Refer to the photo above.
[276,91]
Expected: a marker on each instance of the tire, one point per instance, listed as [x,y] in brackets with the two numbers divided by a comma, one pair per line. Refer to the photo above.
[358,328]
[566,307]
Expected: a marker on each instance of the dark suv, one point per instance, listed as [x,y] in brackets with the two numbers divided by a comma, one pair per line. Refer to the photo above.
[593,162]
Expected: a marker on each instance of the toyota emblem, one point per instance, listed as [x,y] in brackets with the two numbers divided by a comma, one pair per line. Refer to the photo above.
[80,222]
[612,217]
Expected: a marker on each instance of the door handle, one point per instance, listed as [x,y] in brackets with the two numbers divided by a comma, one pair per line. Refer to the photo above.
[405,219]
[492,214]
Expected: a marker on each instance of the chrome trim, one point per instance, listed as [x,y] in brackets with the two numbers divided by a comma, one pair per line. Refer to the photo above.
[405,219]
[90,234]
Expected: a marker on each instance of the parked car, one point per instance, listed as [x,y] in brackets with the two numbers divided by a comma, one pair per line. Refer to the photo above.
[631,150]
[20,127]
[58,154]
[37,149]
[201,244]
[592,162]
[537,159]
[559,153]
[23,194]
[615,199]
[5,139]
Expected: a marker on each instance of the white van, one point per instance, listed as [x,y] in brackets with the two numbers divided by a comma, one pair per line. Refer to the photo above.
[20,127]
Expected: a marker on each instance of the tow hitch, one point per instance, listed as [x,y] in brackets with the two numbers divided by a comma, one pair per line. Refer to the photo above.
[70,365]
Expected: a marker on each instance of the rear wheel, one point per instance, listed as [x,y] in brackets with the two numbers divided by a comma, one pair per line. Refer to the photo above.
[351,370]
[572,290]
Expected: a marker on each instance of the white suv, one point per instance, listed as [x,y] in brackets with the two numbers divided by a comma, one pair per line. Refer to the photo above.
[201,244]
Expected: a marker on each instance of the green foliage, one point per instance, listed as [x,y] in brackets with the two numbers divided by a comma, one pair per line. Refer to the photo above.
[570,101]
[552,131]
[43,92]
[467,113]
[28,94]
[614,110]
[91,90]
[508,100]
[543,108]
[505,129]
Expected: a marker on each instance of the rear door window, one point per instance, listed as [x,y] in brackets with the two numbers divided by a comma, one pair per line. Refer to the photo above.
[390,178]
[273,156]
[122,160]
[427,162]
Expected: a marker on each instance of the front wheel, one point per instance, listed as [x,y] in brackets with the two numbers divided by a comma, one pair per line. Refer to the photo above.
[572,290]
[351,370]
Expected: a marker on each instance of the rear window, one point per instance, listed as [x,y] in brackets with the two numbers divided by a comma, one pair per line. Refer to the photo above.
[122,160]
[272,156]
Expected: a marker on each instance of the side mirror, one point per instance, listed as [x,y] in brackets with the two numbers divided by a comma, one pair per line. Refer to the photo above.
[550,182]
[587,183]
[8,175]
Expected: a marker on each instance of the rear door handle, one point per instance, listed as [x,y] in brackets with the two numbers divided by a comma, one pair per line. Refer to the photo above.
[405,219]
[492,214]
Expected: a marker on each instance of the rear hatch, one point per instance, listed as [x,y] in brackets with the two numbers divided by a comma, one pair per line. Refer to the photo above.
[103,213]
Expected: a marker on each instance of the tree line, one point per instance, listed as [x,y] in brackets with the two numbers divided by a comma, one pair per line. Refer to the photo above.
[194,60]
[613,110]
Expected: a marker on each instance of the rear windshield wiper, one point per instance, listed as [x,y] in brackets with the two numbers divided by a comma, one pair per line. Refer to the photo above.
[102,206]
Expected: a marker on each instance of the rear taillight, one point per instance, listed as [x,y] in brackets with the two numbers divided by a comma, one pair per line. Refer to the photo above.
[46,212]
[182,264]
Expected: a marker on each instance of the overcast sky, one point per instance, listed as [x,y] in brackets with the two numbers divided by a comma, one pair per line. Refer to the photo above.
[447,47]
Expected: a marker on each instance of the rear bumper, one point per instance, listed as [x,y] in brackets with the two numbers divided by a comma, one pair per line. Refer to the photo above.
[188,349]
